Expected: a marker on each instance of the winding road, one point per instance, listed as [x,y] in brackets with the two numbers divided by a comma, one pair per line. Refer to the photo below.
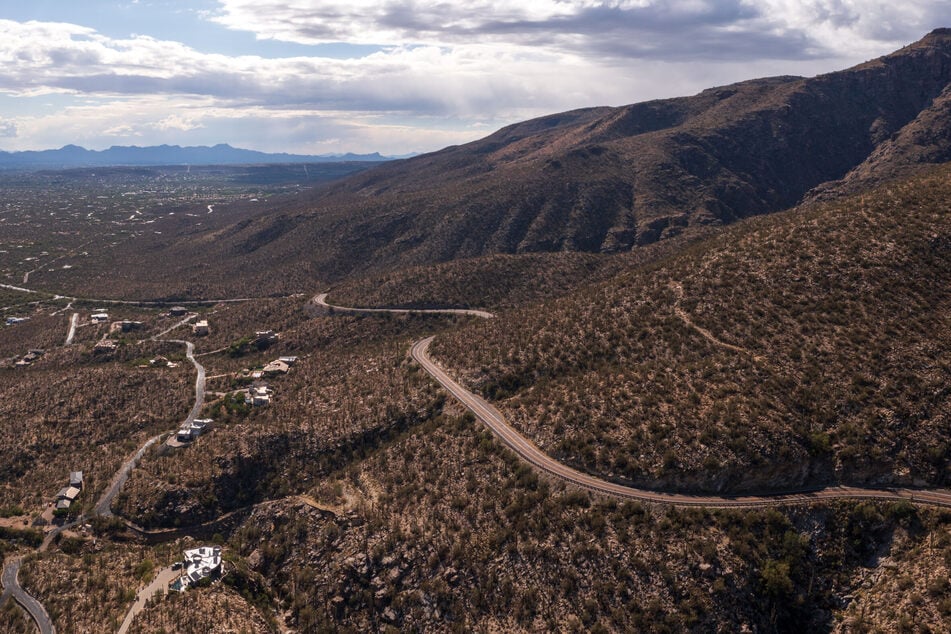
[531,454]
[321,300]
[35,609]
[104,504]
[160,583]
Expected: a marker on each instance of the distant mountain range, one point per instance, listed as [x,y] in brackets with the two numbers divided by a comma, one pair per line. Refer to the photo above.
[221,154]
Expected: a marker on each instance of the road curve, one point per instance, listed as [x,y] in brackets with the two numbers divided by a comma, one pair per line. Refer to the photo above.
[529,452]
[35,609]
[321,300]
[103,506]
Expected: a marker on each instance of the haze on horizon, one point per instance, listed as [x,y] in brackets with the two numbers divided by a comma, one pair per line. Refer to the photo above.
[323,76]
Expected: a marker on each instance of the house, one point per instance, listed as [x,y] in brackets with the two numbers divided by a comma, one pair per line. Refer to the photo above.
[178,311]
[275,367]
[128,326]
[105,346]
[192,430]
[259,396]
[32,356]
[264,338]
[76,479]
[288,360]
[199,563]
[260,400]
[66,496]
[99,318]
[15,320]
[200,329]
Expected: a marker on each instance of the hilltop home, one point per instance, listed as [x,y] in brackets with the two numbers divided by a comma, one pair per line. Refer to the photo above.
[199,563]
[192,430]
[99,318]
[76,479]
[178,311]
[200,329]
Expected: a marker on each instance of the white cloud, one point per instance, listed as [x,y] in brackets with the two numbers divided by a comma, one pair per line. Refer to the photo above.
[448,72]
[633,29]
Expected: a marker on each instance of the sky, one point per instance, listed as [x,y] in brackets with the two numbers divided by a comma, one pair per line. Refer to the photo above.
[396,76]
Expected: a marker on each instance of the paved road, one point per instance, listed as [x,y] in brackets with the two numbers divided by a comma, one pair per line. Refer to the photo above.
[321,300]
[162,579]
[36,610]
[170,329]
[529,452]
[104,505]
[73,322]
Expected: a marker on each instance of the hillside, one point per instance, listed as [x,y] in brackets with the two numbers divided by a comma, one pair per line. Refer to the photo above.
[602,179]
[805,348]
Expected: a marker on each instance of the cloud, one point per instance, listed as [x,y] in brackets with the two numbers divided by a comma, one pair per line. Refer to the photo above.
[437,72]
[477,81]
[629,29]
[8,129]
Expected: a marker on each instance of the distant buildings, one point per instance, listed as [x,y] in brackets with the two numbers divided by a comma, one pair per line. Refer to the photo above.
[128,326]
[16,320]
[99,318]
[200,329]
[178,311]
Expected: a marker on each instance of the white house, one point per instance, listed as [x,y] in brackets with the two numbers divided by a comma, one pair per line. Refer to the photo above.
[199,563]
[192,430]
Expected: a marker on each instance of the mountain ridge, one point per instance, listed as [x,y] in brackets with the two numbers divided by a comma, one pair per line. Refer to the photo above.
[132,155]
[594,180]
[612,179]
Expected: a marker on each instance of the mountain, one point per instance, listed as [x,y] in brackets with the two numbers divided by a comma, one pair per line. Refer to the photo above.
[221,154]
[613,179]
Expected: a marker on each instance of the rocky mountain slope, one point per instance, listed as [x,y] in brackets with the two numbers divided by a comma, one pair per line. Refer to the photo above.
[607,179]
[806,348]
